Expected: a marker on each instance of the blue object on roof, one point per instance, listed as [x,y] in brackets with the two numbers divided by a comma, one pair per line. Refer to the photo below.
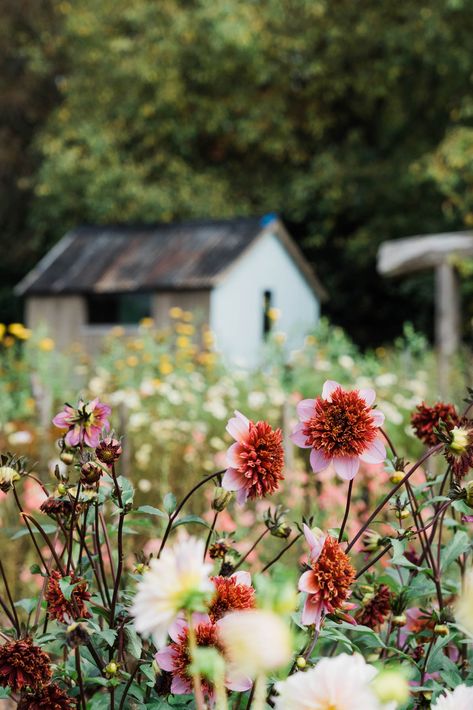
[268,218]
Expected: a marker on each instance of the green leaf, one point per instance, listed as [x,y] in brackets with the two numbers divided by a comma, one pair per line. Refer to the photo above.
[398,555]
[108,635]
[28,605]
[35,569]
[48,529]
[190,519]
[170,503]
[149,510]
[127,490]
[457,546]
[67,587]
[133,642]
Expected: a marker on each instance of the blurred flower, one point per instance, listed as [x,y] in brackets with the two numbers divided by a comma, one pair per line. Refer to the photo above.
[255,642]
[50,697]
[328,582]
[375,608]
[341,428]
[464,605]
[426,419]
[178,580]
[46,344]
[24,665]
[339,683]
[256,460]
[233,593]
[459,699]
[62,609]
[176,657]
[84,423]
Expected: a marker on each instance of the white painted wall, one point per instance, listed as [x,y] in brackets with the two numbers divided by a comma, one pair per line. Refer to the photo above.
[236,305]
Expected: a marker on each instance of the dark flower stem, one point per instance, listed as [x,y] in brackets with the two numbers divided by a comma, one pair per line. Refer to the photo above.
[46,540]
[211,532]
[15,494]
[388,497]
[176,512]
[83,701]
[116,586]
[71,531]
[281,553]
[347,511]
[14,620]
[107,543]
[127,687]
[257,541]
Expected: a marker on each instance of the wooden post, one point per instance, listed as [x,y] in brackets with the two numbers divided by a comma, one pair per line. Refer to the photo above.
[447,321]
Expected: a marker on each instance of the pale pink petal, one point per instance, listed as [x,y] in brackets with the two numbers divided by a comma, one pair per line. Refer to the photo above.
[165,658]
[177,627]
[236,682]
[180,686]
[299,438]
[198,617]
[305,409]
[329,387]
[312,612]
[62,420]
[233,455]
[375,453]
[307,583]
[242,578]
[318,460]
[72,437]
[233,480]
[346,466]
[315,542]
[239,427]
[242,496]
[368,395]
[92,437]
[378,417]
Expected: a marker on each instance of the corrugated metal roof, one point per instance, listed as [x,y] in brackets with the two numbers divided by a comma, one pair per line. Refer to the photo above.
[113,259]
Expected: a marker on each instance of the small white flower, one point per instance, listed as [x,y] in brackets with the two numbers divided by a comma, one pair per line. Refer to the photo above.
[459,699]
[255,641]
[464,606]
[172,582]
[339,683]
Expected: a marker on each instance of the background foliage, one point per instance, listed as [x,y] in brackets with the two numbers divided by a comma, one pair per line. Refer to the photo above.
[351,120]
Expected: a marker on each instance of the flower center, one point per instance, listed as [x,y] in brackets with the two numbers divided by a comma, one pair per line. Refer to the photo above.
[342,427]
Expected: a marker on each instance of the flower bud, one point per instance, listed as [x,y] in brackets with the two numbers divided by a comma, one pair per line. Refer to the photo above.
[396,477]
[61,489]
[77,634]
[301,662]
[371,541]
[282,531]
[469,494]
[391,686]
[67,457]
[141,568]
[111,669]
[90,473]
[460,440]
[221,499]
[8,476]
[399,620]
[219,549]
[403,514]
[441,630]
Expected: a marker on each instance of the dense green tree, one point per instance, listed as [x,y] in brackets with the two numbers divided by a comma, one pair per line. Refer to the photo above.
[335,113]
[28,65]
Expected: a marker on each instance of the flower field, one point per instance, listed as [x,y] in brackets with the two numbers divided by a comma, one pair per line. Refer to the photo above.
[189,534]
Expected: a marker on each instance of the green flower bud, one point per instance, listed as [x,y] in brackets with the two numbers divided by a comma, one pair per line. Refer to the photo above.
[221,499]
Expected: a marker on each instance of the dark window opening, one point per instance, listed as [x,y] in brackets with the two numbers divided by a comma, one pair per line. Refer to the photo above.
[118,309]
[267,305]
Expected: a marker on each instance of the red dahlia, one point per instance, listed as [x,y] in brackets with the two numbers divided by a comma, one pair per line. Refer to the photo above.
[426,419]
[51,697]
[24,665]
[206,635]
[374,610]
[67,610]
[230,595]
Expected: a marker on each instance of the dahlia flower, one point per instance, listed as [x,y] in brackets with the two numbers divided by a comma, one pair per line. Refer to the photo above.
[84,423]
[109,451]
[255,641]
[50,697]
[459,699]
[255,460]
[341,428]
[426,419]
[375,608]
[178,580]
[8,476]
[67,610]
[339,683]
[24,665]
[459,450]
[176,658]
[233,593]
[328,582]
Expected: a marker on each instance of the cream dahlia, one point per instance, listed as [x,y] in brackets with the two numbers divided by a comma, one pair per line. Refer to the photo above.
[177,581]
[341,428]
[459,699]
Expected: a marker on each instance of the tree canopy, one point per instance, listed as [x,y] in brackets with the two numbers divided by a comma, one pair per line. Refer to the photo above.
[350,119]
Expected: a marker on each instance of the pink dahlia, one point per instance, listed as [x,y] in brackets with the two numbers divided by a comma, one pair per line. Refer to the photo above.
[84,423]
[255,460]
[341,428]
[176,658]
[328,581]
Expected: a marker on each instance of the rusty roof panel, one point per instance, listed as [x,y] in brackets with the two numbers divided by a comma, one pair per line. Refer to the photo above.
[113,259]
